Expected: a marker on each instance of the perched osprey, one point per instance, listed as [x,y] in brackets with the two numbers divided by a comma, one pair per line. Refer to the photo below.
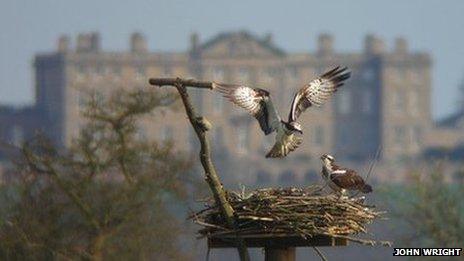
[259,104]
[342,179]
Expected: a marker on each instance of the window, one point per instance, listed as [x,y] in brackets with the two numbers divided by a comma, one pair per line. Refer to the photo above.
[293,72]
[17,135]
[415,77]
[193,140]
[198,98]
[312,176]
[399,101]
[414,103]
[344,102]
[318,135]
[287,177]
[107,70]
[232,48]
[167,71]
[344,138]
[367,100]
[268,75]
[140,72]
[218,102]
[268,142]
[218,136]
[80,71]
[113,71]
[99,70]
[416,135]
[397,75]
[399,135]
[242,143]
[263,177]
[244,75]
[94,72]
[368,75]
[116,71]
[218,74]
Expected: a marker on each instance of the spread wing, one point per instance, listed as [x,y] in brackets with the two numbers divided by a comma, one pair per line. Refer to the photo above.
[347,179]
[284,145]
[318,91]
[254,101]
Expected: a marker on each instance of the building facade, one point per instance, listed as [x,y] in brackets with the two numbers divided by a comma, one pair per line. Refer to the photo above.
[385,104]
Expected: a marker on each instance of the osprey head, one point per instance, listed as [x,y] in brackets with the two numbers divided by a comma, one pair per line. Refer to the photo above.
[295,126]
[262,92]
[327,159]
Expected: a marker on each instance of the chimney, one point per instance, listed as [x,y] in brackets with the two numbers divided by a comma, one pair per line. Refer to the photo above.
[194,42]
[373,45]
[325,44]
[401,45]
[138,43]
[88,42]
[94,42]
[63,44]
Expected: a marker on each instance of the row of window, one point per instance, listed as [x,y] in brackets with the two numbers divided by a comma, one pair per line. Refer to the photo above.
[116,71]
[403,101]
[287,176]
[246,75]
[407,135]
[318,138]
[413,76]
[401,135]
[406,101]
[345,101]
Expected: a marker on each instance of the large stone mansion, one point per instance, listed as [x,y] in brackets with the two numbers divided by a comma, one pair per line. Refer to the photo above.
[386,103]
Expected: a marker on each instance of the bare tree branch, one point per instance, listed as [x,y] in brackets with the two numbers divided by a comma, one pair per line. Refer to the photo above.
[201,125]
[184,82]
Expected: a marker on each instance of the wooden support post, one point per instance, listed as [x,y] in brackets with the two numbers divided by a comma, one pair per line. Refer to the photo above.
[279,254]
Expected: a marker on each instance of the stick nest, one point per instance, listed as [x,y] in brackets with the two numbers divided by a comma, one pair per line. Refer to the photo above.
[294,211]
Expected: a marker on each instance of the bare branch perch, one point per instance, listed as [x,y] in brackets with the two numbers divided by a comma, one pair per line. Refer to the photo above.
[201,125]
[178,81]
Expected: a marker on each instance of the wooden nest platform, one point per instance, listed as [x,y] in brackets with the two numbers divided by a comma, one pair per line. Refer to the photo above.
[288,217]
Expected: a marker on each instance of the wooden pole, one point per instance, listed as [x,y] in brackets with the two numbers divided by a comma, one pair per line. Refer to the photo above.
[279,254]
[201,126]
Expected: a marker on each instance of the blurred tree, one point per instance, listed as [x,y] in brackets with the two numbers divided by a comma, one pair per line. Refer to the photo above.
[431,209]
[106,197]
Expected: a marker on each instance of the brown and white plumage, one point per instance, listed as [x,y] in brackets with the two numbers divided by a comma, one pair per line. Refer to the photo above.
[254,101]
[318,91]
[285,143]
[259,104]
[341,179]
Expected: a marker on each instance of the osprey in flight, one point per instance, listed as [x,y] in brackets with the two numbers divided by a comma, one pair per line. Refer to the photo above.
[259,104]
[342,179]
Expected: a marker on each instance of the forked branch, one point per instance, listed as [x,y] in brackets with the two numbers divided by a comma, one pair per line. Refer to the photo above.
[201,126]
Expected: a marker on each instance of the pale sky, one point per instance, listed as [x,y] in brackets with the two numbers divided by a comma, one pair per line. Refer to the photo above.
[433,26]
